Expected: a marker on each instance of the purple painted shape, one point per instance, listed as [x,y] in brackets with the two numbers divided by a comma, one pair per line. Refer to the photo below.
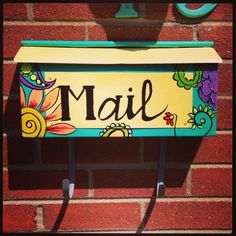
[207,88]
[37,87]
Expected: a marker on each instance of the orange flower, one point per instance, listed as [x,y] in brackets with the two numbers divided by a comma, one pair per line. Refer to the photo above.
[33,119]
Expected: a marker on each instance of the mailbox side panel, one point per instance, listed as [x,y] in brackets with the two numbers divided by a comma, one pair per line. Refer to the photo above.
[175,100]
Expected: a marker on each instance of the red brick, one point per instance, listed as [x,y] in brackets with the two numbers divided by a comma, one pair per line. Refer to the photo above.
[10,79]
[54,151]
[191,215]
[223,11]
[94,216]
[225,79]
[212,182]
[224,120]
[11,115]
[150,33]
[159,11]
[107,150]
[18,218]
[137,183]
[75,11]
[14,11]
[18,150]
[216,149]
[222,37]
[13,34]
[41,184]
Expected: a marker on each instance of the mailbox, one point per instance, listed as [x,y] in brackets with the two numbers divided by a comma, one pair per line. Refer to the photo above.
[118,89]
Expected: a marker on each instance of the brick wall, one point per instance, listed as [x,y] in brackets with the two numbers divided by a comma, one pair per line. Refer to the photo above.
[116,179]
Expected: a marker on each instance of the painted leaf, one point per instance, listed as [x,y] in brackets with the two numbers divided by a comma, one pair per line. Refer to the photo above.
[191,115]
[190,121]
[22,97]
[55,115]
[61,128]
[50,99]
[35,98]
[194,110]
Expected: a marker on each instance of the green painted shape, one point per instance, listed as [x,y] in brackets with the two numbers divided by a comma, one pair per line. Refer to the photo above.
[126,11]
[111,44]
[195,13]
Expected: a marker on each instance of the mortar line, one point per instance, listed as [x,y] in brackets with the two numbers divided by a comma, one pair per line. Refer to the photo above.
[176,231]
[142,10]
[141,150]
[30,11]
[118,22]
[39,218]
[117,200]
[211,166]
[86,32]
[189,182]
[38,152]
[222,132]
[90,184]
[226,97]
[117,166]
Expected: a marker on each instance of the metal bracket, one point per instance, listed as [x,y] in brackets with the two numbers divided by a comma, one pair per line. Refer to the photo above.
[161,172]
[126,11]
[68,185]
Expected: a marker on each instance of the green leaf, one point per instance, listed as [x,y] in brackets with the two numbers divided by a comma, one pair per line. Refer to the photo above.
[193,127]
[210,112]
[191,115]
[194,110]
[205,109]
[200,127]
[200,107]
[190,121]
[180,84]
[213,115]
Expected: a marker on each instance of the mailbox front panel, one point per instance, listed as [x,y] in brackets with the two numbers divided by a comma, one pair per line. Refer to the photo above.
[60,100]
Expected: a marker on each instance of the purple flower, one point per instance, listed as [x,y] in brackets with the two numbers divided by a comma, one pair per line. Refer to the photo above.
[207,88]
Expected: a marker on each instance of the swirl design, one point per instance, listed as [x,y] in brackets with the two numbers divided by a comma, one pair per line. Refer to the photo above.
[33,124]
[203,120]
[31,76]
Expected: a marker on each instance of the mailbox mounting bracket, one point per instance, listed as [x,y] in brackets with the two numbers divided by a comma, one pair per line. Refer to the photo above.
[161,172]
[68,185]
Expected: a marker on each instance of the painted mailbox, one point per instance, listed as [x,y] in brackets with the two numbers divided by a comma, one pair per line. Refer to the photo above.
[118,89]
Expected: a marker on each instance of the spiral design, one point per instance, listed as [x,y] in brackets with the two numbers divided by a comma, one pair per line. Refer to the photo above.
[33,124]
[203,119]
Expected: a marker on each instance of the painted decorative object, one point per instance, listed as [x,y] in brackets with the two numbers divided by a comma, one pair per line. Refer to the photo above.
[118,89]
[127,10]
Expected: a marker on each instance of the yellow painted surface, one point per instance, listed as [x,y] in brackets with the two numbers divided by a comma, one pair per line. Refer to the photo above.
[165,92]
[117,55]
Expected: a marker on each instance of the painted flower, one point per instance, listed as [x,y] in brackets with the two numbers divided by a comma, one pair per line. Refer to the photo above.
[34,120]
[169,118]
[203,112]
[183,81]
[117,130]
[207,88]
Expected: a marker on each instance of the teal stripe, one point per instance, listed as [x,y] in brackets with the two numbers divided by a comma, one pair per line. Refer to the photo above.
[130,44]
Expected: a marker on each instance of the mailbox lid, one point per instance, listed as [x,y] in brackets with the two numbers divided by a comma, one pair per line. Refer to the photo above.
[182,52]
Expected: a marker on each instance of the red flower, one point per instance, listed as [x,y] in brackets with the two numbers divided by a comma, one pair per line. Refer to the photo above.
[169,117]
